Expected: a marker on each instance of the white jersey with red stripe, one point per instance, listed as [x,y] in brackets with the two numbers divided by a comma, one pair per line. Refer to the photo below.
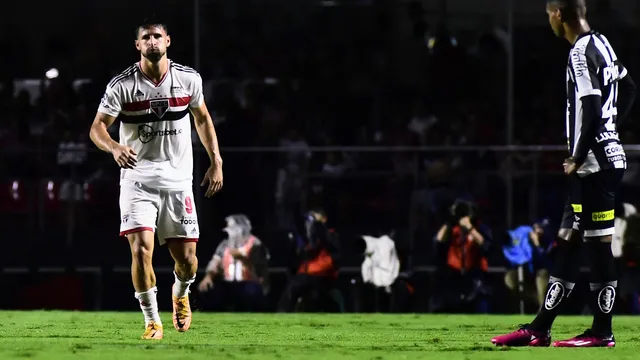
[155,123]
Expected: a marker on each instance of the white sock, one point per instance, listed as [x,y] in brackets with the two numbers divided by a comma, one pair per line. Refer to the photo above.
[181,287]
[149,306]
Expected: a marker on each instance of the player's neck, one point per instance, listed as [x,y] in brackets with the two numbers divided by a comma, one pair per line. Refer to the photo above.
[578,29]
[155,71]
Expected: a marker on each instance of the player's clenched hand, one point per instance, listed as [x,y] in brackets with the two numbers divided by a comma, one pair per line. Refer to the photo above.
[569,166]
[125,157]
[213,178]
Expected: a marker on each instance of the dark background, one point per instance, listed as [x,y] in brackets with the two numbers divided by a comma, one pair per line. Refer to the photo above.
[348,76]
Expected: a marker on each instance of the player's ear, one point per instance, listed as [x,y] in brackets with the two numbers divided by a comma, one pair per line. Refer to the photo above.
[138,45]
[168,40]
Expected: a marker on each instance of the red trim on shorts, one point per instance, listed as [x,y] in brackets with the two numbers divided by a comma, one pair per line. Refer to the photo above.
[136,230]
[182,239]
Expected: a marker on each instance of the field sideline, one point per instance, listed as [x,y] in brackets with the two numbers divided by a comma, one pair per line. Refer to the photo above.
[103,335]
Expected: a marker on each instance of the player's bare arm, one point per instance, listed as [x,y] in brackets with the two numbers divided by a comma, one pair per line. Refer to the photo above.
[207,133]
[123,155]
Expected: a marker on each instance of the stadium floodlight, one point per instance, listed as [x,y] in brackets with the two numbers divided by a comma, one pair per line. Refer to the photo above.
[51,73]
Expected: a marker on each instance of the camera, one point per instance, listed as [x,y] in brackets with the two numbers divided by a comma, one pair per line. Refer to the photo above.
[462,208]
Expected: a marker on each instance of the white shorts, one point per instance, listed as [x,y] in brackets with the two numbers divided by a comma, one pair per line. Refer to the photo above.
[171,212]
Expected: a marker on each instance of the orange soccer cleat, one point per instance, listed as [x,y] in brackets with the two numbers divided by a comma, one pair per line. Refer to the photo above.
[181,313]
[153,331]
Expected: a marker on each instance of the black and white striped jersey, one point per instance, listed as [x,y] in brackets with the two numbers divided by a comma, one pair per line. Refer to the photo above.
[594,70]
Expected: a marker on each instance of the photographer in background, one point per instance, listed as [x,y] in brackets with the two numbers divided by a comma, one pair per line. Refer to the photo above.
[318,252]
[237,275]
[528,247]
[462,245]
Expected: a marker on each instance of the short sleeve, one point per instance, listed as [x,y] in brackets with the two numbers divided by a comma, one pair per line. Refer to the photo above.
[110,103]
[197,96]
[585,72]
[621,70]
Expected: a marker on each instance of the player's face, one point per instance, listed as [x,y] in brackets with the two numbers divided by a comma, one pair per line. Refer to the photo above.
[153,43]
[555,20]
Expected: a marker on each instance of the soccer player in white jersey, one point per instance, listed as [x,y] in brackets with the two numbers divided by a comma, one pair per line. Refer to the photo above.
[152,100]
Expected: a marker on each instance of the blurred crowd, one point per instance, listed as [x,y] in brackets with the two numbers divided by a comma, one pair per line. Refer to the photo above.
[332,77]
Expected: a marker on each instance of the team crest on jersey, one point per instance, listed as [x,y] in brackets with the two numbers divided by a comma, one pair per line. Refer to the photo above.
[159,107]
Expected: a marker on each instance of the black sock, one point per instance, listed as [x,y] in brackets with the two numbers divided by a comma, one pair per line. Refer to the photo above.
[561,282]
[603,283]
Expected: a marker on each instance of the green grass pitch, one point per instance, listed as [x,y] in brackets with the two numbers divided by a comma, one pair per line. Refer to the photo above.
[103,335]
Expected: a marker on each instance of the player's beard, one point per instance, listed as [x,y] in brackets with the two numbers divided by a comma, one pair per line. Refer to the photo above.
[153,55]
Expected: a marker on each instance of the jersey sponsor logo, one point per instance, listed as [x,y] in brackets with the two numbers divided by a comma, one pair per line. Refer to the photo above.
[610,74]
[554,296]
[614,152]
[189,220]
[139,93]
[159,107]
[125,218]
[607,135]
[146,133]
[606,298]
[613,149]
[579,61]
[603,215]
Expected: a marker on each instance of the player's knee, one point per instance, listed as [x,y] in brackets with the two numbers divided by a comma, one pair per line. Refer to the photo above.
[184,253]
[141,253]
[189,259]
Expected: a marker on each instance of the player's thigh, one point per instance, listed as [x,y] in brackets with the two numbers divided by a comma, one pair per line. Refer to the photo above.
[138,208]
[141,244]
[599,191]
[178,219]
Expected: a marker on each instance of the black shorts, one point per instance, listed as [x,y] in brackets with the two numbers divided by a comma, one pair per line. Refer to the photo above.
[591,202]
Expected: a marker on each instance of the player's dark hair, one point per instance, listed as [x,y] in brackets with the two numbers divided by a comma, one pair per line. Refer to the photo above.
[571,10]
[150,22]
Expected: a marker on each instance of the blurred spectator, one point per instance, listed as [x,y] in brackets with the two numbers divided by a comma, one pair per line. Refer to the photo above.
[319,252]
[626,249]
[381,276]
[290,184]
[526,249]
[237,275]
[71,160]
[464,241]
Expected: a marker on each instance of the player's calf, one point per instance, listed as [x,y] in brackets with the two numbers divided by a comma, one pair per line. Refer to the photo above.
[561,283]
[186,265]
[184,254]
[144,280]
[603,284]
